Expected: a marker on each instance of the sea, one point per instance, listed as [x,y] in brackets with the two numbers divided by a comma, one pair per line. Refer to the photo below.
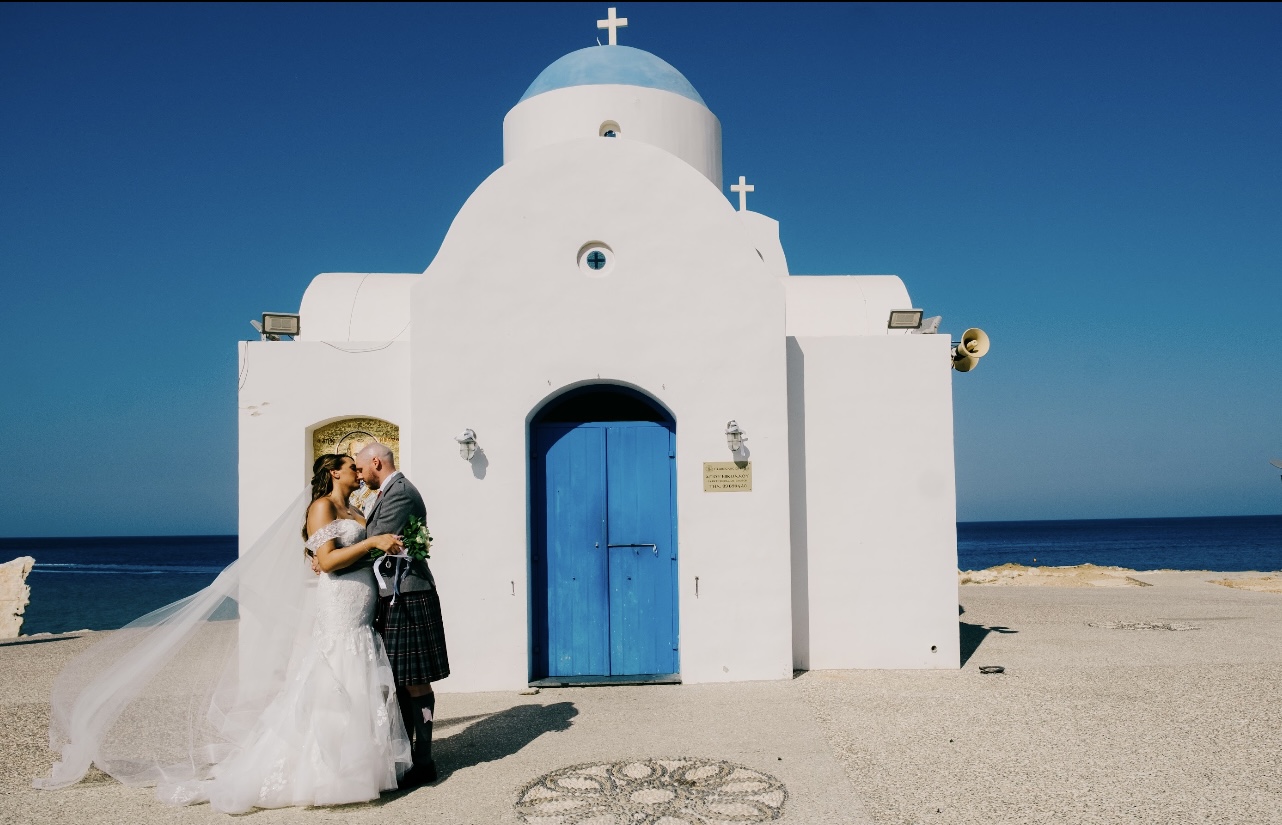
[103,583]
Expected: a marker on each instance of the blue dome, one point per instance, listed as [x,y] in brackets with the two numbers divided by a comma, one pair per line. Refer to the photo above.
[608,65]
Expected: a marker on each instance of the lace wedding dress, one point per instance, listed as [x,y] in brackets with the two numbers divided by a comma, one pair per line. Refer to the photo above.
[334,734]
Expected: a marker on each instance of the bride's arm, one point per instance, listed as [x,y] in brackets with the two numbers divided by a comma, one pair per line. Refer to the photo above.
[331,557]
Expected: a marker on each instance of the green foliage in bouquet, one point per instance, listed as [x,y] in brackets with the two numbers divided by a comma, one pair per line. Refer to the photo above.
[415,537]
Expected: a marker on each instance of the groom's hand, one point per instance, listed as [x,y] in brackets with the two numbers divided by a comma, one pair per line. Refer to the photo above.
[389,544]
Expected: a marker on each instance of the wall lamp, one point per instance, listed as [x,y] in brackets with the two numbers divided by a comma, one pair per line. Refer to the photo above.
[466,444]
[734,436]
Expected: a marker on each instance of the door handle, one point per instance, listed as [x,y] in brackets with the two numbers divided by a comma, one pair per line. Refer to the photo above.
[653,547]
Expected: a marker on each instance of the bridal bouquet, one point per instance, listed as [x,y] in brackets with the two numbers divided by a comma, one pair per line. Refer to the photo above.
[416,538]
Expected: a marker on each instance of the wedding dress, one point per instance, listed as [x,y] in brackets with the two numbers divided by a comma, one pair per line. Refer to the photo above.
[267,689]
[335,734]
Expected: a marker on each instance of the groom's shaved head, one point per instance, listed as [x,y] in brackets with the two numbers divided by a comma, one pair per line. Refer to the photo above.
[380,451]
[374,464]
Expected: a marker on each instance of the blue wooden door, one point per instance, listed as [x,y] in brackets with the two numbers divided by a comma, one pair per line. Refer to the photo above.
[604,550]
[572,623]
[639,506]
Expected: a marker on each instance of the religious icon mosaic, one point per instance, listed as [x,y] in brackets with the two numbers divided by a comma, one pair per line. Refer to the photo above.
[351,435]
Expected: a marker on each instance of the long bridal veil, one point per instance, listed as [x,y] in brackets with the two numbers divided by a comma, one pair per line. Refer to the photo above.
[171,694]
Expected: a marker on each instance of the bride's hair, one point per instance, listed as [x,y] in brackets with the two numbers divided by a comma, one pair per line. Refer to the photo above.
[322,481]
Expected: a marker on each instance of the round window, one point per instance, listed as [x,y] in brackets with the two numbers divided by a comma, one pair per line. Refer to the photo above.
[609,129]
[596,259]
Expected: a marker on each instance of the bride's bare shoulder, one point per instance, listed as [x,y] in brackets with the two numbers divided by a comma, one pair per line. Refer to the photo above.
[319,513]
[322,506]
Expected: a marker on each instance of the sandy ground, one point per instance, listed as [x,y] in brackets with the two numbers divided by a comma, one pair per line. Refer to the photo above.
[1257,582]
[1118,704]
[1091,575]
[1081,575]
[1091,722]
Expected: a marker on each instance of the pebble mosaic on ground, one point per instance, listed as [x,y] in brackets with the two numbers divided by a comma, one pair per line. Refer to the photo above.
[672,791]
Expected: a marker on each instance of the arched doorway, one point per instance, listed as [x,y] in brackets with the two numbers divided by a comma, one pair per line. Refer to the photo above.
[603,556]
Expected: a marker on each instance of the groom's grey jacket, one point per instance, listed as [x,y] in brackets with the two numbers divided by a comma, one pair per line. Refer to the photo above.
[392,511]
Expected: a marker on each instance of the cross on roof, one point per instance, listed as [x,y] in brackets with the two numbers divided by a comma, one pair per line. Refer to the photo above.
[612,23]
[743,188]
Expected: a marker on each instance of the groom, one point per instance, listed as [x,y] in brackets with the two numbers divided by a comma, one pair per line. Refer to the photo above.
[409,614]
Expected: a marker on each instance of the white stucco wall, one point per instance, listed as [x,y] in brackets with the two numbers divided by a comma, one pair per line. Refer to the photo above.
[287,389]
[688,314]
[874,502]
[764,231]
[844,304]
[357,306]
[678,125]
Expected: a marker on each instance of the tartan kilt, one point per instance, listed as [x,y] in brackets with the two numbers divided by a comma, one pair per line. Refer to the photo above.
[414,637]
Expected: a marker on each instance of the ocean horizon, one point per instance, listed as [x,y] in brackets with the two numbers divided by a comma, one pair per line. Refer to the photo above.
[104,582]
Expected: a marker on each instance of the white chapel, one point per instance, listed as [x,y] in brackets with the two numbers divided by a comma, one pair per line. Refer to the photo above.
[649,451]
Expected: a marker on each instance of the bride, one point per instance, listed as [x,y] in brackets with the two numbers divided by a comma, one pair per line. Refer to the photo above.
[267,689]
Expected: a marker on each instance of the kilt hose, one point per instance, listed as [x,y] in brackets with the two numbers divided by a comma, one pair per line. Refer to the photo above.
[414,637]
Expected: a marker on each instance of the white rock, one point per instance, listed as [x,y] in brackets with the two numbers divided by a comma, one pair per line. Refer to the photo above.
[15,593]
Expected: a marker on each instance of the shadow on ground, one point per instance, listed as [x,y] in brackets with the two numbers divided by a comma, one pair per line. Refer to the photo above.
[496,735]
[973,635]
[20,641]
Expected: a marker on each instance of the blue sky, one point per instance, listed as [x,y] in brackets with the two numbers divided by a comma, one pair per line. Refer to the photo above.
[1097,186]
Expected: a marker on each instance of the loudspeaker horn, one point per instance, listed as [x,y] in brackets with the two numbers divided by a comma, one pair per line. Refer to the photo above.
[963,362]
[975,342]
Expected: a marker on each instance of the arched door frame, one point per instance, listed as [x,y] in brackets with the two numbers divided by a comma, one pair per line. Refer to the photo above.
[658,414]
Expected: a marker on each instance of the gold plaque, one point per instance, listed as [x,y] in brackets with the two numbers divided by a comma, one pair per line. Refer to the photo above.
[350,435]
[727,476]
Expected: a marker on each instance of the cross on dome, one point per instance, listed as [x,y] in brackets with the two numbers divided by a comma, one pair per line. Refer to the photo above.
[743,188]
[613,24]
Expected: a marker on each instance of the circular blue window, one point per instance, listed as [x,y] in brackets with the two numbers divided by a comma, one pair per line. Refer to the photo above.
[596,259]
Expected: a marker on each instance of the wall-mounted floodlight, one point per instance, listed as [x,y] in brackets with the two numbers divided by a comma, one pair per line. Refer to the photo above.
[466,444]
[734,436]
[276,324]
[904,319]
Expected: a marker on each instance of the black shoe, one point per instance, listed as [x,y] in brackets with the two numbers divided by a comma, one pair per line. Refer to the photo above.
[417,775]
